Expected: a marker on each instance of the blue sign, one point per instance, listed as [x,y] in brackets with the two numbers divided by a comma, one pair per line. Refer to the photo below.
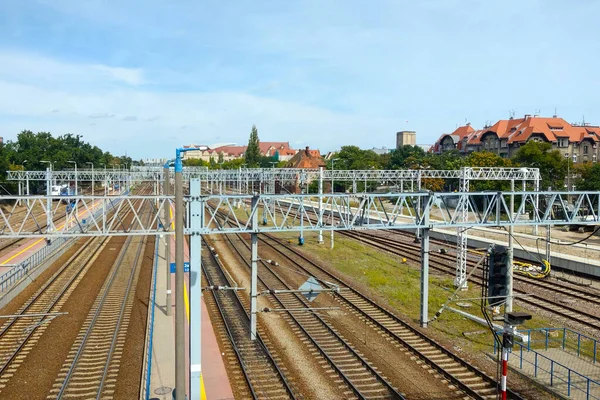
[186,267]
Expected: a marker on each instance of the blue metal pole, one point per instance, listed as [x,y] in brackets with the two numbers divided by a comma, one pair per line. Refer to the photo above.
[521,360]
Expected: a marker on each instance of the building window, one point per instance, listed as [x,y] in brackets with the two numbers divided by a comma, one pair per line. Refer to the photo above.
[594,158]
[574,157]
[585,149]
[566,155]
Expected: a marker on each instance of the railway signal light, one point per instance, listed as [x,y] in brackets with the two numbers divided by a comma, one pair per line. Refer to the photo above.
[498,276]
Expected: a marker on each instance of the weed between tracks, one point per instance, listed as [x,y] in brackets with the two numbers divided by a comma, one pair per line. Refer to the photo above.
[398,285]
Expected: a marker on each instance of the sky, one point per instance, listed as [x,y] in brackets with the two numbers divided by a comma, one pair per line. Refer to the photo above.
[145,77]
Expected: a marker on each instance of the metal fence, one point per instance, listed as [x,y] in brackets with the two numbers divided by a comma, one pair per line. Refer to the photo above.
[557,375]
[567,339]
[54,248]
[150,329]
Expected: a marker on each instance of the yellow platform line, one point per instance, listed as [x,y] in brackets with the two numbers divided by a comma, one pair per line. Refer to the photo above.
[186,300]
[38,241]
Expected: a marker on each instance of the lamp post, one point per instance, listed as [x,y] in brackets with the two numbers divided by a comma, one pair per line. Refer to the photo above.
[105,179]
[48,199]
[93,181]
[195,291]
[26,179]
[331,211]
[76,186]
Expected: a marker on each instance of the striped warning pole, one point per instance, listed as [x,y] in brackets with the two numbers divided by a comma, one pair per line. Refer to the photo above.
[504,370]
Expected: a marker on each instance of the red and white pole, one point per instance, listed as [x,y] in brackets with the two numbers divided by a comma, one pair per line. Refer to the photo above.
[504,370]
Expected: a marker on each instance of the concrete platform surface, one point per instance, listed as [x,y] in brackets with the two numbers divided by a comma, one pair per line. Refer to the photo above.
[560,379]
[162,380]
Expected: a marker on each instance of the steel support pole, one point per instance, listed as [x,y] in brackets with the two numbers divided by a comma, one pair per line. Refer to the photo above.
[254,275]
[180,350]
[548,238]
[536,189]
[321,204]
[425,265]
[48,201]
[195,292]
[20,191]
[424,276]
[167,219]
[462,239]
[331,207]
[510,252]
[418,231]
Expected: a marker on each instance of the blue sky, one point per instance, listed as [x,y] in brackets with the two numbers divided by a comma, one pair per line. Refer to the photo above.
[145,77]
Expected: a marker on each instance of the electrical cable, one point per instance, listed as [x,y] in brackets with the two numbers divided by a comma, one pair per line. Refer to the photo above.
[574,243]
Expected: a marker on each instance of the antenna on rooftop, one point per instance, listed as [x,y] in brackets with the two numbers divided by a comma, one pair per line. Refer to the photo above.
[555,113]
[511,113]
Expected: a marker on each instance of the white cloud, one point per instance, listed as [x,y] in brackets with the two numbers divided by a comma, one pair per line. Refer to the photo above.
[127,75]
[44,71]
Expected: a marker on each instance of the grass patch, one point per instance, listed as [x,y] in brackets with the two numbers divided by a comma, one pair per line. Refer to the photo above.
[399,285]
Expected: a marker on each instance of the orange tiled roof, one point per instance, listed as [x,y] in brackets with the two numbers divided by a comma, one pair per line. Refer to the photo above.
[307,159]
[231,150]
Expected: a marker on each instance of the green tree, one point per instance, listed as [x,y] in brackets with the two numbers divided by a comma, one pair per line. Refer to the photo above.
[252,155]
[233,164]
[195,162]
[404,156]
[588,176]
[352,157]
[488,159]
[220,160]
[552,165]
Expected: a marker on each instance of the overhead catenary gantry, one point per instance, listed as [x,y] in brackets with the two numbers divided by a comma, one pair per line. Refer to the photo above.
[268,180]
[421,210]
[279,174]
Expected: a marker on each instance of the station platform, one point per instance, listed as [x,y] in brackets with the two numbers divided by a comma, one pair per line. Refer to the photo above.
[215,381]
[28,247]
[561,371]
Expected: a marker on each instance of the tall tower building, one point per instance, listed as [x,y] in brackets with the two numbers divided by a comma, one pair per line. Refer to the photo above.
[404,138]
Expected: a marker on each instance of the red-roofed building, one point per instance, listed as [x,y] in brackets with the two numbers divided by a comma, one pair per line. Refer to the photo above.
[506,136]
[232,152]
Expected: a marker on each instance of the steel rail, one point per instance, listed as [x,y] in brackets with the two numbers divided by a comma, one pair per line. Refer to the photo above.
[225,279]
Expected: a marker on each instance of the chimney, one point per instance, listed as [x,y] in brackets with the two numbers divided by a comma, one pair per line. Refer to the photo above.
[527,116]
[307,152]
[468,124]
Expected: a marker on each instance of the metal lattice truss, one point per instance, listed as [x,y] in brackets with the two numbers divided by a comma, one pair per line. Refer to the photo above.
[96,216]
[85,216]
[278,174]
[395,211]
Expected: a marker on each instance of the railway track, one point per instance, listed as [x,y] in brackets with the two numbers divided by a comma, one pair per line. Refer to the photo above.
[571,290]
[92,365]
[18,335]
[446,264]
[474,382]
[361,379]
[358,376]
[257,372]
